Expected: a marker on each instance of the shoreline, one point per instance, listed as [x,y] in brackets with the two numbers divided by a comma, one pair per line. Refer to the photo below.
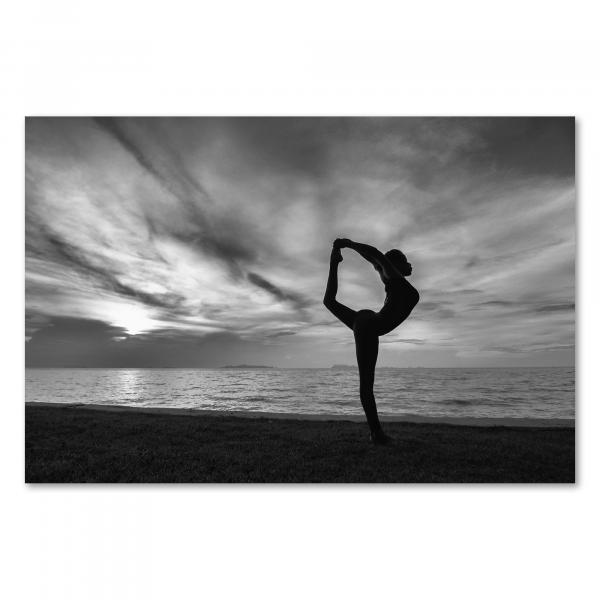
[404,418]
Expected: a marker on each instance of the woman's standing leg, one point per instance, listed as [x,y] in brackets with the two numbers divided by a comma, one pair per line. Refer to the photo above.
[367,349]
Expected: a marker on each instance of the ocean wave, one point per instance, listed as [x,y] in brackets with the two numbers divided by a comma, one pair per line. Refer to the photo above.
[524,393]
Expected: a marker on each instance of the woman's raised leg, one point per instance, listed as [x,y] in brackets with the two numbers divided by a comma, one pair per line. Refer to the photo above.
[343,313]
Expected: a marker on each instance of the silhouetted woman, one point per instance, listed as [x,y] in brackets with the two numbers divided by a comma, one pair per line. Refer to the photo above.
[401,298]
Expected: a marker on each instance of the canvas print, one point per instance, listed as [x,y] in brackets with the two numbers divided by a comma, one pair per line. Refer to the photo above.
[300,300]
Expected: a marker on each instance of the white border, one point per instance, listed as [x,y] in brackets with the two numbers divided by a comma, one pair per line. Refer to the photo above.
[435,58]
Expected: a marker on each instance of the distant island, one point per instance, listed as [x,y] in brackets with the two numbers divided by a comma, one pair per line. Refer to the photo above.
[247,367]
[382,368]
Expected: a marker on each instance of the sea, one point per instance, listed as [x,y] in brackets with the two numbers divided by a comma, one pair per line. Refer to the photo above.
[539,393]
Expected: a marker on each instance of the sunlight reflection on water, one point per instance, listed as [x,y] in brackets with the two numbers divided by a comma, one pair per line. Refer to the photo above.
[527,392]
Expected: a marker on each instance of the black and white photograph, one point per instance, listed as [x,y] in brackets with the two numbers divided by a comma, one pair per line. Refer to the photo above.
[300,299]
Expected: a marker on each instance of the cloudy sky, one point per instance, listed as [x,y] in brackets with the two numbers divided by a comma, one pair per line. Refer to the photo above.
[205,241]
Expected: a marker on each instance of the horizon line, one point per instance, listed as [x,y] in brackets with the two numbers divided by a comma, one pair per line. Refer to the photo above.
[340,367]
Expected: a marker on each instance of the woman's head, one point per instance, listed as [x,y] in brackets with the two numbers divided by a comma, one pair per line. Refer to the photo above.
[400,262]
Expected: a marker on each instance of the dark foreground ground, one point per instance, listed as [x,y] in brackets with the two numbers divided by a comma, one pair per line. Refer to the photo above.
[65,444]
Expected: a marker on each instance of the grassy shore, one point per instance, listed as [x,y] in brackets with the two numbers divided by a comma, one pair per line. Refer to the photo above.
[71,444]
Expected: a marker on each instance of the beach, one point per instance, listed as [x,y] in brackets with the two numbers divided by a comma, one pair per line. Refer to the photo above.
[72,443]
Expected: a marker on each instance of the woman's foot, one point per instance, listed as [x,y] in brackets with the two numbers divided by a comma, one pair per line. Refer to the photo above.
[380,438]
[336,256]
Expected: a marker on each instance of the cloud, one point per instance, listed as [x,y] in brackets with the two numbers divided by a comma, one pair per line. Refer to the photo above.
[569,307]
[498,303]
[215,227]
[73,342]
[72,257]
[403,341]
[217,239]
[294,298]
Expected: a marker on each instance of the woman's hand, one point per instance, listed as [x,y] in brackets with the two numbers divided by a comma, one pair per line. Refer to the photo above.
[336,255]
[342,243]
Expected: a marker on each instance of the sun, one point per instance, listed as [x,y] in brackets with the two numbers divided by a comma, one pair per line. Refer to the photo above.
[133,319]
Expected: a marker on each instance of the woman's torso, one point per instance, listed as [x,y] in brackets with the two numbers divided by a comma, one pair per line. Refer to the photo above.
[401,297]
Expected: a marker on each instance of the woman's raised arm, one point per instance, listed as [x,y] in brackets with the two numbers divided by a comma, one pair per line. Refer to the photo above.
[371,254]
